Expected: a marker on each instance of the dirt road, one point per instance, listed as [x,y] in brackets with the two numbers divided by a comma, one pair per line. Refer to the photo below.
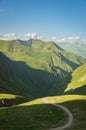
[70,116]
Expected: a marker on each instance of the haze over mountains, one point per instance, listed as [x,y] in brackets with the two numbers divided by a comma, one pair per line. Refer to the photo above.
[76,47]
[34,69]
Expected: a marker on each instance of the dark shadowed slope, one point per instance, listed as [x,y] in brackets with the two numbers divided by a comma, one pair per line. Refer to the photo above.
[18,78]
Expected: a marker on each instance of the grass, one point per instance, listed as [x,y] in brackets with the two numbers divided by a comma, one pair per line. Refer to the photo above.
[9,96]
[31,116]
[77,105]
[78,80]
[35,68]
[36,115]
[7,100]
[39,53]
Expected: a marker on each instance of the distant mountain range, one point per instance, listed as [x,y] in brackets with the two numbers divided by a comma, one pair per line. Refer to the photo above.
[76,47]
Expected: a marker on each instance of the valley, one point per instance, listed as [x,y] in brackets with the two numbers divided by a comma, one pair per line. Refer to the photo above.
[34,71]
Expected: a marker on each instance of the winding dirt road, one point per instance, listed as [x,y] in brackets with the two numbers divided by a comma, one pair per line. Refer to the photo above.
[70,116]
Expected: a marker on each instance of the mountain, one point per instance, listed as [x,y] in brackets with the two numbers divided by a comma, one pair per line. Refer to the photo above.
[78,81]
[35,68]
[76,47]
[18,78]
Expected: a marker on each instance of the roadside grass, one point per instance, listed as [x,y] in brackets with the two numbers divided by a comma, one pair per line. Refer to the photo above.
[35,115]
[28,116]
[77,105]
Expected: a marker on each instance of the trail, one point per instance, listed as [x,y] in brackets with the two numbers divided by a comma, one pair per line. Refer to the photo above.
[70,116]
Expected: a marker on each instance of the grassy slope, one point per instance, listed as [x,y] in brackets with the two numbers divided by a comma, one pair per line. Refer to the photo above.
[43,67]
[36,115]
[7,100]
[77,85]
[77,105]
[18,78]
[41,55]
[31,115]
[78,81]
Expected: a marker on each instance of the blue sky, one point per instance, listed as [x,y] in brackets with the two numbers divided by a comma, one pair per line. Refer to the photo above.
[48,18]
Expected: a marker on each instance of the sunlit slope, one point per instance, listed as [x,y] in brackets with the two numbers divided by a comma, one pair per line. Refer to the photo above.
[78,81]
[77,105]
[7,100]
[41,55]
[37,115]
[35,68]
[33,116]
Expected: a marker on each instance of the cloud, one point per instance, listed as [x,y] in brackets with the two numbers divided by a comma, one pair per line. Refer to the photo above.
[54,38]
[10,36]
[31,35]
[68,39]
[14,36]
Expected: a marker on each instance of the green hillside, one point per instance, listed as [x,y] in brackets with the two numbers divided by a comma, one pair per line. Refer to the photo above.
[7,100]
[32,116]
[78,81]
[18,78]
[35,68]
[77,105]
[78,48]
[37,115]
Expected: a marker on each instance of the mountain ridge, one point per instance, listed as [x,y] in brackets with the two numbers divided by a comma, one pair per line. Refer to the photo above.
[77,47]
[32,70]
[37,66]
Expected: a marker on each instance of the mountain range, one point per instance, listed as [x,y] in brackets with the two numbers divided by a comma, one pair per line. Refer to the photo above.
[37,66]
[76,47]
[33,69]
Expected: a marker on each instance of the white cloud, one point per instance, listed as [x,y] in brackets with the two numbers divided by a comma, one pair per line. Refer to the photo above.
[68,39]
[14,36]
[31,35]
[10,36]
[54,38]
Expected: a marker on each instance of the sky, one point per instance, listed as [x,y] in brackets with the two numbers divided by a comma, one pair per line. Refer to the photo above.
[43,18]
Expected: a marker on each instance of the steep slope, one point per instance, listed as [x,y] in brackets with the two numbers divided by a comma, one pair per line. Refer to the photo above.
[35,68]
[78,81]
[78,48]
[18,78]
